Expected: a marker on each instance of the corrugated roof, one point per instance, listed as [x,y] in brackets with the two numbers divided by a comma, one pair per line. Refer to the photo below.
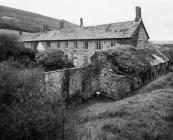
[155,62]
[105,31]
[154,56]
[158,58]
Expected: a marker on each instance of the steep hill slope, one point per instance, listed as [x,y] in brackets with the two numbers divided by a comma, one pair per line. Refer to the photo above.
[14,19]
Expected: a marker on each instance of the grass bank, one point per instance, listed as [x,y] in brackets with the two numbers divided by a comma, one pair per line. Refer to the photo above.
[147,115]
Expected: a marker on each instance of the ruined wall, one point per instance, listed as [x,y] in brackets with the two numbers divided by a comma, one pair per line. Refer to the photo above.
[83,83]
[113,85]
[74,83]
[53,83]
[67,83]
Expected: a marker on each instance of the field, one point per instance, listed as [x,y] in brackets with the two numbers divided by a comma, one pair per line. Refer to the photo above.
[147,115]
[14,19]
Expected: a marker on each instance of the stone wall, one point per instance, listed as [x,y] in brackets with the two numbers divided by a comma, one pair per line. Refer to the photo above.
[53,83]
[84,82]
[113,85]
[67,83]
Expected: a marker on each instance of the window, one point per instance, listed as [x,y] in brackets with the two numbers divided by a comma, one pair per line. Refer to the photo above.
[98,45]
[34,45]
[86,45]
[48,43]
[66,45]
[58,44]
[113,43]
[75,45]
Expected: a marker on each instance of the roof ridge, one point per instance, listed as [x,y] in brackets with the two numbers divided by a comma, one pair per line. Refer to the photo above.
[110,23]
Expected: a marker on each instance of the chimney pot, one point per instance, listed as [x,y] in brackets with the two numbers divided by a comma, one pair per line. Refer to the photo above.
[138,14]
[81,22]
[45,28]
[61,25]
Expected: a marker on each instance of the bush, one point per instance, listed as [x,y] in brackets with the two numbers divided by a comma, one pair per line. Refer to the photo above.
[25,112]
[9,47]
[53,60]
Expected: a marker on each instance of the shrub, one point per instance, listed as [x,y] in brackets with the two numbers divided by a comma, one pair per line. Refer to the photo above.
[52,60]
[25,112]
[9,47]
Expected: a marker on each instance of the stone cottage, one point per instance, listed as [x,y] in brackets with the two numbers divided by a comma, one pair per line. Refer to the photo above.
[80,43]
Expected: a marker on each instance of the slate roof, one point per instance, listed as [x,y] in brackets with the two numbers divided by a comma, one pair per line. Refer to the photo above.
[154,56]
[105,31]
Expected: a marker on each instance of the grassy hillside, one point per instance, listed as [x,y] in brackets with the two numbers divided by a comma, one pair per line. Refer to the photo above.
[15,19]
[161,42]
[146,116]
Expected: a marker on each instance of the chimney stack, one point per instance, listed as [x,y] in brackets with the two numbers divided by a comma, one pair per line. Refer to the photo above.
[81,22]
[45,28]
[61,25]
[138,14]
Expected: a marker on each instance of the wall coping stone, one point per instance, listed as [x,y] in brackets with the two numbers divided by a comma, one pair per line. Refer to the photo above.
[75,68]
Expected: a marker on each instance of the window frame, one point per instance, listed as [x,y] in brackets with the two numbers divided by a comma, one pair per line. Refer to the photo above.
[113,43]
[98,45]
[58,44]
[75,47]
[86,48]
[66,44]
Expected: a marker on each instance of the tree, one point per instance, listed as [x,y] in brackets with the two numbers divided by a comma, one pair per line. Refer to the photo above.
[52,60]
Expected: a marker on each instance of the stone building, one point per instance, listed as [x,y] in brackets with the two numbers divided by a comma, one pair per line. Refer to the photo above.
[80,43]
[123,69]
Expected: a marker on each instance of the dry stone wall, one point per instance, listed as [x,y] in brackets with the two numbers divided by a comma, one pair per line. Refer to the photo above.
[53,83]
[113,85]
[84,82]
[67,83]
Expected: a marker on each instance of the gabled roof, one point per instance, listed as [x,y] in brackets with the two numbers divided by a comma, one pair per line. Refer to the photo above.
[105,31]
[142,23]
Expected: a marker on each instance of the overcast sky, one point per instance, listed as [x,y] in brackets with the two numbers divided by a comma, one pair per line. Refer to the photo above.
[157,14]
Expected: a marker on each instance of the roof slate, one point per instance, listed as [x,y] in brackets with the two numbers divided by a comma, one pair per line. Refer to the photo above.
[105,31]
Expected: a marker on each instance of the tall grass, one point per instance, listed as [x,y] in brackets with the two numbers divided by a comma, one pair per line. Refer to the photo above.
[145,116]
